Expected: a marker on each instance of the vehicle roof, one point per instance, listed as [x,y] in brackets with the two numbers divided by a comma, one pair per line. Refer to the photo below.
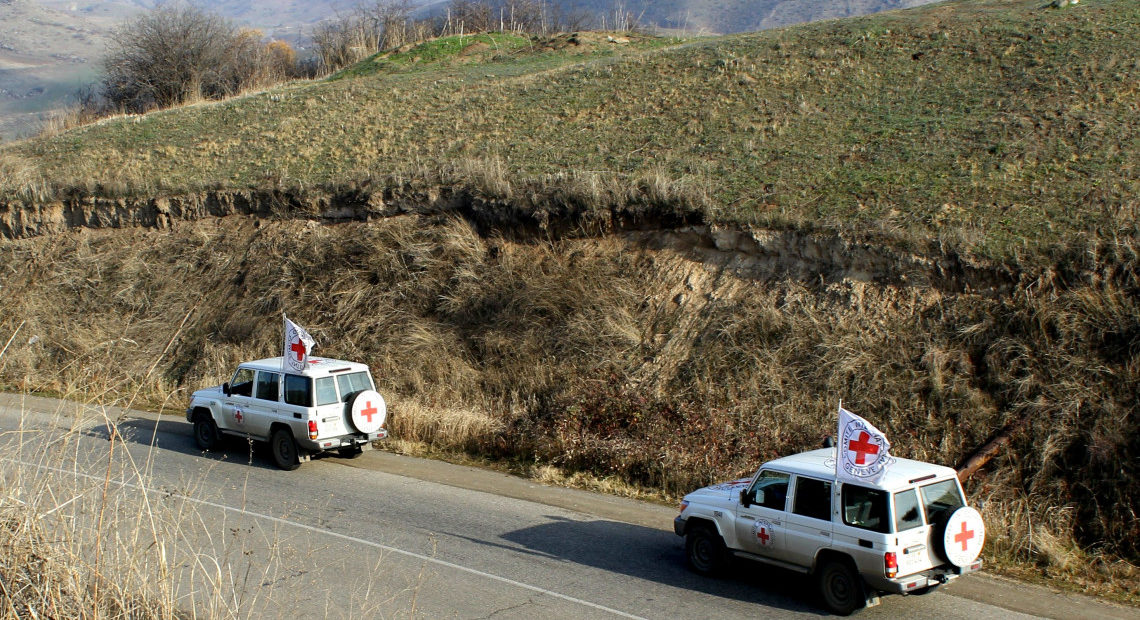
[317,367]
[822,463]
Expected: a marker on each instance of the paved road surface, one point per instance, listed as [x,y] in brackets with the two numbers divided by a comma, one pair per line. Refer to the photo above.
[389,536]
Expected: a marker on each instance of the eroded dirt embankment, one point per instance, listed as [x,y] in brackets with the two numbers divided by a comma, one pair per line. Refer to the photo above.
[660,352]
[756,253]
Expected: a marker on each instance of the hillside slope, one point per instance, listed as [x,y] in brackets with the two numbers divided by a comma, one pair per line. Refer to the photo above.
[652,265]
[996,130]
[45,56]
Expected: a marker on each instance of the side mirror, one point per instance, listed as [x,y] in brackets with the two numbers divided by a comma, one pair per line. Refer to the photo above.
[745,499]
[226,388]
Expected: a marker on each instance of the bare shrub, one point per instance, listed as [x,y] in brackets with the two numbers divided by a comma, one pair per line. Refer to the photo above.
[180,53]
[365,31]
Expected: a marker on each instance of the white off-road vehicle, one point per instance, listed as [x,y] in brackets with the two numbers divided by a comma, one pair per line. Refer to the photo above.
[907,533]
[329,405]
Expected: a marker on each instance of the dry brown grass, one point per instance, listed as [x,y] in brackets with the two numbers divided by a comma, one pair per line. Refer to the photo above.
[609,361]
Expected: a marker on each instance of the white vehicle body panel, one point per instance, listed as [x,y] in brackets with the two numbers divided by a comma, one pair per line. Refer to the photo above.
[819,516]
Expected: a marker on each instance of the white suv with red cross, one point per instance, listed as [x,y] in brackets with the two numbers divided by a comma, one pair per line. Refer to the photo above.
[329,405]
[908,533]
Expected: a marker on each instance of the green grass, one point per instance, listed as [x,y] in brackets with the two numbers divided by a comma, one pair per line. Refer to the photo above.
[999,129]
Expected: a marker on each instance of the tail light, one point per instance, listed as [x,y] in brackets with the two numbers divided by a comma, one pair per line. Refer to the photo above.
[891,563]
[312,429]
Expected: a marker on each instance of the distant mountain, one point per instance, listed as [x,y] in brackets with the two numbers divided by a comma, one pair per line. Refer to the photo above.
[716,16]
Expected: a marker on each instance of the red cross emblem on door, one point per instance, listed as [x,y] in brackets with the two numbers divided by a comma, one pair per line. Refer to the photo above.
[238,416]
[861,447]
[763,536]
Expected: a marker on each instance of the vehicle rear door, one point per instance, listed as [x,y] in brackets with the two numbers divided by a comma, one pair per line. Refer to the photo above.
[808,524]
[330,409]
[913,534]
[939,500]
[760,525]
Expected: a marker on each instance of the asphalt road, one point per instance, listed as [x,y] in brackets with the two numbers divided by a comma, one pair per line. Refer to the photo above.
[393,537]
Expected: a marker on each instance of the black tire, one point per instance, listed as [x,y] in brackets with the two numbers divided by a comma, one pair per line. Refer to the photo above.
[284,450]
[841,588]
[350,453]
[205,432]
[705,550]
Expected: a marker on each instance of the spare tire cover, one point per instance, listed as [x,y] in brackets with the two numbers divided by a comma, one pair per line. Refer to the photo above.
[964,536]
[368,411]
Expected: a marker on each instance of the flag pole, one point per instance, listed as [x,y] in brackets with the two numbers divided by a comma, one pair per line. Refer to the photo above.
[838,437]
[284,338]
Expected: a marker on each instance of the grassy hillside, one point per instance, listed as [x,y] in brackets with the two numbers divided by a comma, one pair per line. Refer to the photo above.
[996,128]
[931,214]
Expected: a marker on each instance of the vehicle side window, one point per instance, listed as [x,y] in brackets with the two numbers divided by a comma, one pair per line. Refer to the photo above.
[298,391]
[940,499]
[326,391]
[242,383]
[267,383]
[907,515]
[352,383]
[865,508]
[813,498]
[770,489]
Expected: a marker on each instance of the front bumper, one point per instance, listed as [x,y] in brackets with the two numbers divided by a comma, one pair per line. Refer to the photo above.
[679,526]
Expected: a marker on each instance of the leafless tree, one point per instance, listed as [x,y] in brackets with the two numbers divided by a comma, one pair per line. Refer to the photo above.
[178,53]
[367,29]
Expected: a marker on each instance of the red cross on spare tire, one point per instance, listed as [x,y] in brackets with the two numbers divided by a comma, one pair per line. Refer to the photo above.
[964,536]
[368,411]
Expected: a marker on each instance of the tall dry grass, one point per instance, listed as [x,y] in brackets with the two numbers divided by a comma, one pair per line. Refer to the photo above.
[657,368]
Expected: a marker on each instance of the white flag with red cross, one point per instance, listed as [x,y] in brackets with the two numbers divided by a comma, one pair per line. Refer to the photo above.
[298,344]
[864,452]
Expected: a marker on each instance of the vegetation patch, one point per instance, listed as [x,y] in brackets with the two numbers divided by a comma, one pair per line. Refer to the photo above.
[931,214]
[640,360]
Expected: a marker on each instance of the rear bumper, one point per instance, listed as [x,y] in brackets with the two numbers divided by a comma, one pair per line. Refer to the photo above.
[923,580]
[344,441]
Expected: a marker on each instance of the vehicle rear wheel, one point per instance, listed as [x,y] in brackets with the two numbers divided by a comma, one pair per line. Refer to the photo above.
[205,432]
[284,449]
[705,550]
[841,588]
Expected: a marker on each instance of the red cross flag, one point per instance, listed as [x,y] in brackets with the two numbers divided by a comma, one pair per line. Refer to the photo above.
[864,452]
[298,343]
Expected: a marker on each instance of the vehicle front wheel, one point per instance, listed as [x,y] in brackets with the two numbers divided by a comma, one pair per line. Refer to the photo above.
[284,449]
[706,550]
[205,432]
[841,588]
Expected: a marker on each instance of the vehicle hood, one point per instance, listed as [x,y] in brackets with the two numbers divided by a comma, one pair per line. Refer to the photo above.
[210,392]
[723,493]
